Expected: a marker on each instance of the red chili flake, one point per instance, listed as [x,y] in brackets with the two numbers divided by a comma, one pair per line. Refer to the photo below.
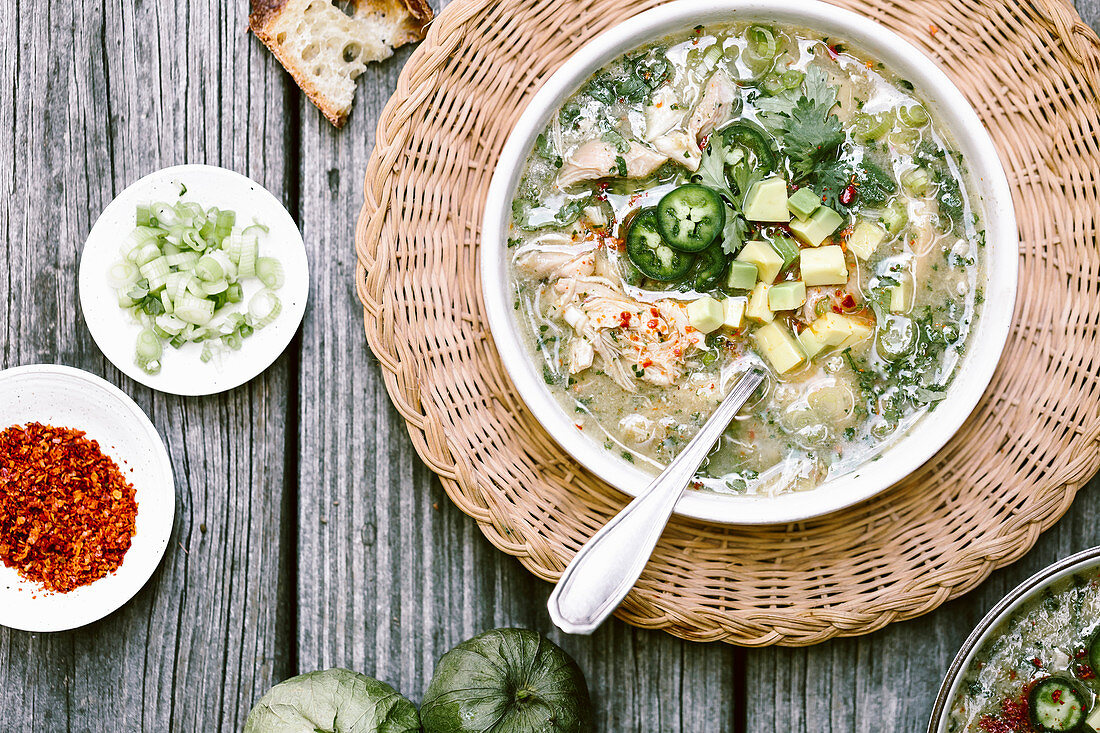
[1085,672]
[624,319]
[647,363]
[67,515]
[1037,662]
[652,323]
[1013,717]
[848,195]
[933,29]
[848,301]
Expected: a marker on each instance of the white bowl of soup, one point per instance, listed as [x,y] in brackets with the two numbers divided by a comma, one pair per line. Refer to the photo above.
[783,184]
[1032,662]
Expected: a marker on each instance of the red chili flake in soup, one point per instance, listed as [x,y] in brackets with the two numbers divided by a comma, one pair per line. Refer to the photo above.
[1013,717]
[67,515]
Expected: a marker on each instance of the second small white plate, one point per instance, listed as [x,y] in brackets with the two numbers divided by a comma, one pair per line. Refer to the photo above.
[115,331]
[65,397]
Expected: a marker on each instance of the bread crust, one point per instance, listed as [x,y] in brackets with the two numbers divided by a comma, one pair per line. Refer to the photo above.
[263,13]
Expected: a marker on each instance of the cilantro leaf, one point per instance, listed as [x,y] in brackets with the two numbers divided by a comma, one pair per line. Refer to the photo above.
[745,176]
[875,185]
[811,136]
[712,170]
[735,233]
[815,87]
[712,173]
[818,89]
[830,179]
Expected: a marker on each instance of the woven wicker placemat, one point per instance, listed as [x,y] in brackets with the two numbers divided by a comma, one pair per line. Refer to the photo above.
[1032,71]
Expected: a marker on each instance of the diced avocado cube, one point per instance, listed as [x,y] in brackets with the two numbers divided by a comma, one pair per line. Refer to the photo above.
[803,203]
[787,296]
[859,330]
[812,344]
[824,266]
[768,262]
[900,297]
[734,310]
[813,231]
[779,347]
[767,201]
[1093,721]
[757,308]
[741,276]
[787,248]
[865,239]
[705,314]
[836,329]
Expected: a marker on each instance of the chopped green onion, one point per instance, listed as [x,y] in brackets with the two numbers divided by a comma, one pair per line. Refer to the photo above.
[194,310]
[271,273]
[122,275]
[156,272]
[149,351]
[759,54]
[264,307]
[914,116]
[868,127]
[218,286]
[916,181]
[180,267]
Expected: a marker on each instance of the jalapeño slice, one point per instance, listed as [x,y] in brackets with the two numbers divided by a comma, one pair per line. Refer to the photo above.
[753,139]
[1057,703]
[691,217]
[710,266]
[650,253]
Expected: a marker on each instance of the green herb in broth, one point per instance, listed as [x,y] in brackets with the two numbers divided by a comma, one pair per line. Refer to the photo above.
[849,264]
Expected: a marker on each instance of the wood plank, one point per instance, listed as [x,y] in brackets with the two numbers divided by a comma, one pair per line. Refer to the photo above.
[102,93]
[391,574]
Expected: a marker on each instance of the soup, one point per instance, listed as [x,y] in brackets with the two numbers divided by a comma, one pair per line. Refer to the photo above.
[747,195]
[1037,672]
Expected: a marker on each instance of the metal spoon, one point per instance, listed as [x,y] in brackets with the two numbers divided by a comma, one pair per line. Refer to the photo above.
[608,566]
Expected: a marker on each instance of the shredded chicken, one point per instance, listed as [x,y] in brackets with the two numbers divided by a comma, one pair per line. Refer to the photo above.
[681,147]
[716,106]
[634,340]
[598,159]
[555,264]
[663,114]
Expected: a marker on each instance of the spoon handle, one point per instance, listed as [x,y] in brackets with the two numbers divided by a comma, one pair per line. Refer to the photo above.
[608,566]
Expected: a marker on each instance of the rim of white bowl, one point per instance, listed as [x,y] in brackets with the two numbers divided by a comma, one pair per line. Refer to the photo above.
[991,622]
[182,372]
[23,604]
[930,433]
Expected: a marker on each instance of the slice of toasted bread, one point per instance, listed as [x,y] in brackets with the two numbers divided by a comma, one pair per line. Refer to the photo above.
[324,48]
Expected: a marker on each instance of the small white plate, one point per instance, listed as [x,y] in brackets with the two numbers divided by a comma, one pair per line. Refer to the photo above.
[115,331]
[65,397]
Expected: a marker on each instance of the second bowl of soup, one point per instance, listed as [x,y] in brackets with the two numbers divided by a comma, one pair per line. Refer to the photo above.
[697,193]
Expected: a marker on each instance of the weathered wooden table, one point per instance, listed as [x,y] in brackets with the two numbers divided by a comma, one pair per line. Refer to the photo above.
[308,534]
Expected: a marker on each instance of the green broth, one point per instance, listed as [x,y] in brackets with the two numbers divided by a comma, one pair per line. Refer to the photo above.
[620,350]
